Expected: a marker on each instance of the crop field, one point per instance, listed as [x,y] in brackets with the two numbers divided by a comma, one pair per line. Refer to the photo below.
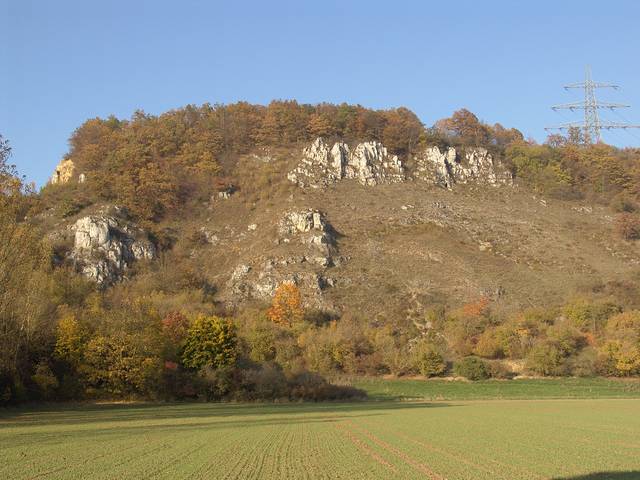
[500,439]
[521,389]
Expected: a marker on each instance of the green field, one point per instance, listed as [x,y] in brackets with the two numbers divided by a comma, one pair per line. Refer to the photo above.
[522,389]
[500,439]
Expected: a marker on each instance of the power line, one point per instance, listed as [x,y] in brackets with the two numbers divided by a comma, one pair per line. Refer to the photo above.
[592,125]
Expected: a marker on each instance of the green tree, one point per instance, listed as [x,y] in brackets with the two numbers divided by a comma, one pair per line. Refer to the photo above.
[428,361]
[211,341]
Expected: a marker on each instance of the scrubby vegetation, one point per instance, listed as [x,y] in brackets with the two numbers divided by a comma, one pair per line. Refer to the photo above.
[164,336]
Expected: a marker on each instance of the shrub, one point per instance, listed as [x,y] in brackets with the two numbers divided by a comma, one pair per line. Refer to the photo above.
[472,368]
[45,380]
[627,226]
[621,358]
[498,369]
[623,203]
[589,316]
[211,341]
[585,364]
[489,345]
[428,361]
[545,358]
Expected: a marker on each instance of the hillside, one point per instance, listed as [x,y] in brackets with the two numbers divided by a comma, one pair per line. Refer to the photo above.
[419,229]
[318,239]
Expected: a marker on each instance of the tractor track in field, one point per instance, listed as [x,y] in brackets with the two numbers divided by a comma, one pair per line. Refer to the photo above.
[363,446]
[495,475]
[408,460]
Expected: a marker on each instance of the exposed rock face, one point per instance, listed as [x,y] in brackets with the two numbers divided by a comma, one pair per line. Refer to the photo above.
[104,247]
[446,168]
[312,229]
[369,163]
[306,269]
[63,172]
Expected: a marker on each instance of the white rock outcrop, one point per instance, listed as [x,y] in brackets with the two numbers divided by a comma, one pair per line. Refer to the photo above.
[311,228]
[104,247]
[448,167]
[369,163]
[305,268]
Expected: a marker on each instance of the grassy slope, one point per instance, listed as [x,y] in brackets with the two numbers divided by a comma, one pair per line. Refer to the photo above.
[401,389]
[551,439]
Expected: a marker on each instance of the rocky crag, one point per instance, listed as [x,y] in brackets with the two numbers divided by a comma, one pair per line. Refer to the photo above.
[306,251]
[106,246]
[370,164]
[449,167]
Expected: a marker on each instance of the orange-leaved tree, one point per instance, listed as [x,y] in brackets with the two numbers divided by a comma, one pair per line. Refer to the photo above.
[286,307]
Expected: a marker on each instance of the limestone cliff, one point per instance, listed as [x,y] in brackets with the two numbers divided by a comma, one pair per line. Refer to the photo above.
[369,163]
[448,167]
[105,246]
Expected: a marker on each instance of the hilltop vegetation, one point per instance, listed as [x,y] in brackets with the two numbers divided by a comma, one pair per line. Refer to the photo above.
[154,165]
[208,184]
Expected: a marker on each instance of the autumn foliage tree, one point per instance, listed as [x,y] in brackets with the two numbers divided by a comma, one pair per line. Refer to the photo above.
[286,307]
[211,342]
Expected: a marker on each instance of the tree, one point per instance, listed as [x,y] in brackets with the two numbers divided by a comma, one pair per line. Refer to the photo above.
[402,130]
[466,127]
[5,150]
[121,363]
[24,286]
[70,339]
[211,341]
[319,126]
[286,307]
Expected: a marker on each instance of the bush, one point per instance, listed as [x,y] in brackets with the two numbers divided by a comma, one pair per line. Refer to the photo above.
[627,226]
[623,203]
[472,368]
[545,358]
[45,380]
[498,369]
[585,364]
[268,381]
[428,361]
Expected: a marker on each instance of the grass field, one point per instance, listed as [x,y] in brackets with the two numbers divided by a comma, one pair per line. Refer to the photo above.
[500,439]
[539,388]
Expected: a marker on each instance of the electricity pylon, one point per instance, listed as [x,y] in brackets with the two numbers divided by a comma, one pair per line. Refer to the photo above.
[592,124]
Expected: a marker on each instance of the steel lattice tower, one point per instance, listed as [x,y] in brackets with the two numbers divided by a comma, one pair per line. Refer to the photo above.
[592,125]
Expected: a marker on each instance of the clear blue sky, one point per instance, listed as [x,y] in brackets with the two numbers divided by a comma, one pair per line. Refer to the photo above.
[65,61]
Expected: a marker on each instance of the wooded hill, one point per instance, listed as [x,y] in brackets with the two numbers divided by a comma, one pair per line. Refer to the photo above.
[218,275]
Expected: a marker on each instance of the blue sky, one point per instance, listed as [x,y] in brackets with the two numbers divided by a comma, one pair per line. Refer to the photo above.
[66,61]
